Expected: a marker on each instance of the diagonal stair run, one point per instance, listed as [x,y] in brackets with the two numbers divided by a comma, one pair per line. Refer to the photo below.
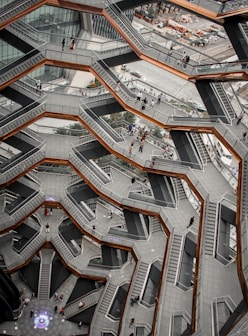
[174,258]
[125,25]
[225,103]
[62,249]
[16,9]
[107,298]
[156,225]
[33,246]
[20,66]
[209,230]
[201,148]
[46,257]
[139,280]
[89,300]
[179,189]
[21,117]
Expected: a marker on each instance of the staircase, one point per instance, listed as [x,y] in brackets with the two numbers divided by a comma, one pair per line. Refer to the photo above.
[62,249]
[83,165]
[107,298]
[27,87]
[179,189]
[15,8]
[74,211]
[224,100]
[46,257]
[244,29]
[174,258]
[32,247]
[18,67]
[200,147]
[156,226]
[140,278]
[236,29]
[89,300]
[100,122]
[244,203]
[111,79]
[209,230]
[13,169]
[25,32]
[10,257]
[125,25]
[28,207]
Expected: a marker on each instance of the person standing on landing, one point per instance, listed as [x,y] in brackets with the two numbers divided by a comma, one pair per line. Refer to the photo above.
[63,44]
[191,221]
[240,117]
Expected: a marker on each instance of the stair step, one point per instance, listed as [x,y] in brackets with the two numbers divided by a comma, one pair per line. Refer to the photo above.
[174,258]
